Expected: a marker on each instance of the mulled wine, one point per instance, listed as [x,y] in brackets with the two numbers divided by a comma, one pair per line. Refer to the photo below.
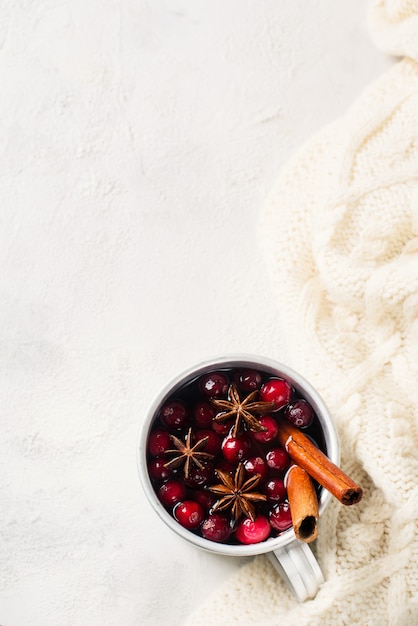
[213,455]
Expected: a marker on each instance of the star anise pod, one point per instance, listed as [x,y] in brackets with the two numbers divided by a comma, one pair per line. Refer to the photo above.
[238,494]
[242,410]
[187,454]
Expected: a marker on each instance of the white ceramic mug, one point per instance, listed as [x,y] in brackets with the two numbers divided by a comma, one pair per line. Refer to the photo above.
[292,558]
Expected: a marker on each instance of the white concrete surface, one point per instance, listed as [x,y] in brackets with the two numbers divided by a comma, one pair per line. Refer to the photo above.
[139,140]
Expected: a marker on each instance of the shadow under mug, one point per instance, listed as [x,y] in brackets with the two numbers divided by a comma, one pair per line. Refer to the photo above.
[292,558]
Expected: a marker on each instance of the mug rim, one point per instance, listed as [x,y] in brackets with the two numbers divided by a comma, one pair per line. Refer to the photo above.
[234,360]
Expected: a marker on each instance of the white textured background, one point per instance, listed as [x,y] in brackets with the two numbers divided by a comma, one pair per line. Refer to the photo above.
[138,142]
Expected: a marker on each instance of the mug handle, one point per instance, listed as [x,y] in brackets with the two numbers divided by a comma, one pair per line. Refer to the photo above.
[299,569]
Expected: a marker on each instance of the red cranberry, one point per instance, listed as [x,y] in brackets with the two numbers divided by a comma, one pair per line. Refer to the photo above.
[300,413]
[189,514]
[157,471]
[158,442]
[280,517]
[205,498]
[253,532]
[214,384]
[276,390]
[275,490]
[221,429]
[172,492]
[247,380]
[271,426]
[278,459]
[213,444]
[203,414]
[198,477]
[256,465]
[216,528]
[174,414]
[235,449]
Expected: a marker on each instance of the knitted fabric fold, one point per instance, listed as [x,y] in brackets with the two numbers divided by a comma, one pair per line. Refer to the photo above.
[340,237]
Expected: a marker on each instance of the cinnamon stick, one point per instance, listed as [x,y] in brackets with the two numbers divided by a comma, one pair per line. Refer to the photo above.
[303,503]
[303,452]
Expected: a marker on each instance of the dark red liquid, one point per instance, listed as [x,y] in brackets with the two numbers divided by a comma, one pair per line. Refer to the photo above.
[196,486]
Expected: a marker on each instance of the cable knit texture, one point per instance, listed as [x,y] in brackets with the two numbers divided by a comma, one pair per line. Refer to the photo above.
[340,235]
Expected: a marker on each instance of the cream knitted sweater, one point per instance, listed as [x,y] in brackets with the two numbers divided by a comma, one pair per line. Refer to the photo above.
[340,234]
